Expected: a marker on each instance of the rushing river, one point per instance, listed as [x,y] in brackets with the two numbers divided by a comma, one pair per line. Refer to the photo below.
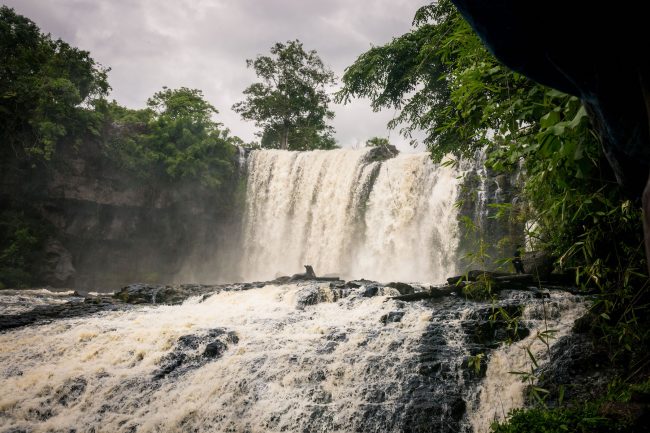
[297,358]
[301,357]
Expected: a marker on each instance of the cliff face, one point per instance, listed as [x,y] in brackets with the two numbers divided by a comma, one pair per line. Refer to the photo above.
[109,227]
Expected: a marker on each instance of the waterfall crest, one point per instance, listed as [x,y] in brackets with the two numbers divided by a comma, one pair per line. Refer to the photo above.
[344,213]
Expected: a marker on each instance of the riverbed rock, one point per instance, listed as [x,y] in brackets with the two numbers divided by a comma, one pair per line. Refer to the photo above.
[538,263]
[579,366]
[195,350]
[402,288]
[141,293]
[392,317]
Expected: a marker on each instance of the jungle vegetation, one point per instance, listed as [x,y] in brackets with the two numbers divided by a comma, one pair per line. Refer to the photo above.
[440,79]
[54,107]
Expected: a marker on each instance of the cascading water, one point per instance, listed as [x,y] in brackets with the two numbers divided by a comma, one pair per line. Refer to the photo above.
[298,357]
[344,213]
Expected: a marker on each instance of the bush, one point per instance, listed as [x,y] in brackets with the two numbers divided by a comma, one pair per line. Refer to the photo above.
[562,420]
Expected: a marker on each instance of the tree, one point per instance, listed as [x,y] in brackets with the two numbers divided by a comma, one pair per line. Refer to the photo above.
[47,89]
[290,104]
[377,142]
[177,139]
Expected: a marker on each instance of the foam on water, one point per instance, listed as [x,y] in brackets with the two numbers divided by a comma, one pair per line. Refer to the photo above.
[343,213]
[97,373]
[14,302]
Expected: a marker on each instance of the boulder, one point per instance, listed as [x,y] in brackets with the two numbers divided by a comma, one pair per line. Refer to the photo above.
[402,288]
[538,263]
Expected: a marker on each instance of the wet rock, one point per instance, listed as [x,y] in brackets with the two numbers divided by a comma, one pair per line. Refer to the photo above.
[337,336]
[70,391]
[308,296]
[46,313]
[329,347]
[140,293]
[402,288]
[194,350]
[370,290]
[538,263]
[317,375]
[215,349]
[392,317]
[579,366]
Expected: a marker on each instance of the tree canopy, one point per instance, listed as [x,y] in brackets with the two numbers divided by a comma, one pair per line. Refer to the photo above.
[175,138]
[377,142]
[290,104]
[47,89]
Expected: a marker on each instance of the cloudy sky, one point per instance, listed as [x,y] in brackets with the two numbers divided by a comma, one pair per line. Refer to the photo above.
[204,43]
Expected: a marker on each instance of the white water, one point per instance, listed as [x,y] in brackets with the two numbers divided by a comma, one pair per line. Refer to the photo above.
[289,364]
[19,301]
[342,214]
[501,390]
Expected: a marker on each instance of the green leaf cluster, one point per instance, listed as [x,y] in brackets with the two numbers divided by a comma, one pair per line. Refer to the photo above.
[47,90]
[22,236]
[174,139]
[290,104]
[584,419]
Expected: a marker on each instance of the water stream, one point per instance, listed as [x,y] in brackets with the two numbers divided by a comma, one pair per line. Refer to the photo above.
[295,357]
[344,213]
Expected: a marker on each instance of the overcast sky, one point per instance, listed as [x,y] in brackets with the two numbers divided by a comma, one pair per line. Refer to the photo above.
[204,43]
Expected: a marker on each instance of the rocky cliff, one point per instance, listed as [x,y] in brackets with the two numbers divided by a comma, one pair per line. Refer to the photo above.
[108,226]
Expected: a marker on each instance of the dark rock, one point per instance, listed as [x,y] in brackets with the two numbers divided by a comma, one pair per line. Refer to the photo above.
[337,336]
[370,290]
[402,288]
[476,275]
[391,317]
[140,293]
[579,366]
[70,391]
[329,347]
[309,295]
[282,280]
[538,263]
[215,349]
[45,313]
[194,350]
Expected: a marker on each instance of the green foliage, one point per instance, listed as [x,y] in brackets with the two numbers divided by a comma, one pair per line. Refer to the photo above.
[378,142]
[583,419]
[174,139]
[21,239]
[47,90]
[290,105]
[476,363]
[479,290]
[442,80]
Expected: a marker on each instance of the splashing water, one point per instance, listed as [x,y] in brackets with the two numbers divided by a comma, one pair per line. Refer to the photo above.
[502,391]
[295,358]
[147,370]
[343,213]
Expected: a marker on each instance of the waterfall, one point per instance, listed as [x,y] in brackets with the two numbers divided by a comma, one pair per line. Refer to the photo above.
[344,213]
